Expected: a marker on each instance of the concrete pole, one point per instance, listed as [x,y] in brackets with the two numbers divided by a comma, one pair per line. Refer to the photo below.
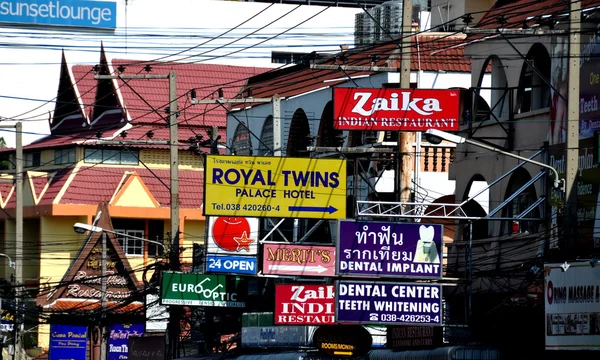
[174,159]
[173,335]
[103,339]
[18,236]
[405,139]
[572,141]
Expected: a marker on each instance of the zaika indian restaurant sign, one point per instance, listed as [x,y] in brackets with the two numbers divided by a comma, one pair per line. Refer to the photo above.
[304,304]
[396,109]
[247,186]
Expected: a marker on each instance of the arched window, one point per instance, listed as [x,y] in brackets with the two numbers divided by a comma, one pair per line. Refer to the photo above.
[534,91]
[241,144]
[328,135]
[498,92]
[265,146]
[299,135]
[520,203]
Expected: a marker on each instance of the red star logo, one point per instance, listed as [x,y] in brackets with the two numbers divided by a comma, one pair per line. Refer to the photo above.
[243,242]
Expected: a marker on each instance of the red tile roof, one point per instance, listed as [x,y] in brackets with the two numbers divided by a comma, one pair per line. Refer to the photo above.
[87,305]
[93,184]
[436,51]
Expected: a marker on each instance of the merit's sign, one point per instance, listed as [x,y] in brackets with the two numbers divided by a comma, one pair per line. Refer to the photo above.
[395,109]
[370,248]
[71,13]
[299,260]
[304,304]
[388,303]
[250,186]
[201,290]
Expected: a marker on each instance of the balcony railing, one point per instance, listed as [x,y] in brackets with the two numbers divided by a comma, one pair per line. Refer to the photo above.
[437,158]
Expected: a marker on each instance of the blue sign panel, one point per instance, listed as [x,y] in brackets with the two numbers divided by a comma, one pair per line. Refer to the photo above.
[118,340]
[370,248]
[73,13]
[388,303]
[245,265]
[68,342]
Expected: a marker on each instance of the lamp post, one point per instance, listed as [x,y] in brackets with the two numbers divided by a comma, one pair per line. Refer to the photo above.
[436,136]
[81,228]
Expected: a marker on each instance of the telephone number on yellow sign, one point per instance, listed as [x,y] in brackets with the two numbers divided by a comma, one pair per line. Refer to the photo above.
[245,207]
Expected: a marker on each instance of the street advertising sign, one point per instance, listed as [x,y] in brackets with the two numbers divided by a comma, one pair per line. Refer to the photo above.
[396,109]
[118,340]
[71,13]
[300,260]
[68,342]
[343,340]
[232,235]
[572,299]
[147,348]
[389,249]
[388,303]
[282,187]
[277,336]
[245,265]
[304,304]
[202,290]
[404,337]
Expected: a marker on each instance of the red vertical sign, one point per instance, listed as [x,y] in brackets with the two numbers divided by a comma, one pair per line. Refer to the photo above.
[303,304]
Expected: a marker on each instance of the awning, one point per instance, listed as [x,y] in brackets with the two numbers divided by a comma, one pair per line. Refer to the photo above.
[444,353]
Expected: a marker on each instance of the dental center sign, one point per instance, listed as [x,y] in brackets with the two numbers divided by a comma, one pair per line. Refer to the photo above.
[247,186]
[72,13]
[396,109]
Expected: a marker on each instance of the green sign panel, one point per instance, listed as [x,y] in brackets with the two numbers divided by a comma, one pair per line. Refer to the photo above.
[202,290]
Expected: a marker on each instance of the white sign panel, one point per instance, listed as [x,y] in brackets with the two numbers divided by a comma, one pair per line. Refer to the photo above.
[157,315]
[572,299]
[232,235]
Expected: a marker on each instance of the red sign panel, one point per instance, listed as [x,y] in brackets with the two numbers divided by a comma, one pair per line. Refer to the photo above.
[300,260]
[304,304]
[396,109]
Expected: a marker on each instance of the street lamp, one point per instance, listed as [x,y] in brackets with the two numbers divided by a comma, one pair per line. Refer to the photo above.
[11,263]
[81,228]
[436,136]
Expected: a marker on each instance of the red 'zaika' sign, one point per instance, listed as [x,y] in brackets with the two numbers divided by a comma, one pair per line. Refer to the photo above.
[396,109]
[304,304]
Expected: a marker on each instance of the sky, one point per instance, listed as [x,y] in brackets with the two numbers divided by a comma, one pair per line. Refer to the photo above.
[158,29]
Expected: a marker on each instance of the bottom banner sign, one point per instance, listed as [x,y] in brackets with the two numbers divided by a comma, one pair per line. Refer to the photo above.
[388,303]
[245,265]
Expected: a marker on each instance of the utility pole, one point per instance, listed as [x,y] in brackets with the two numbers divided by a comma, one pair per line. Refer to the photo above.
[173,331]
[18,263]
[405,139]
[572,141]
[103,336]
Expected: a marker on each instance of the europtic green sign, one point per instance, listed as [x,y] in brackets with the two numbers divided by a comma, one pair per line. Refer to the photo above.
[201,290]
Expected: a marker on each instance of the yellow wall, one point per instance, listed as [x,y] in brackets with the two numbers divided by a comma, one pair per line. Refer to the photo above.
[135,195]
[193,233]
[60,246]
[160,159]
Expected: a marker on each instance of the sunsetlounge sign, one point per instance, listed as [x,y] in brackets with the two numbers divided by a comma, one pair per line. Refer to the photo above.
[396,109]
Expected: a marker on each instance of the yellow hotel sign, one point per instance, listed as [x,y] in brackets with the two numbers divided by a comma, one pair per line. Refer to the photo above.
[252,186]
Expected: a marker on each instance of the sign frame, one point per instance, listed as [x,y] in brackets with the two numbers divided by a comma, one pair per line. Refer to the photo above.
[272,186]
